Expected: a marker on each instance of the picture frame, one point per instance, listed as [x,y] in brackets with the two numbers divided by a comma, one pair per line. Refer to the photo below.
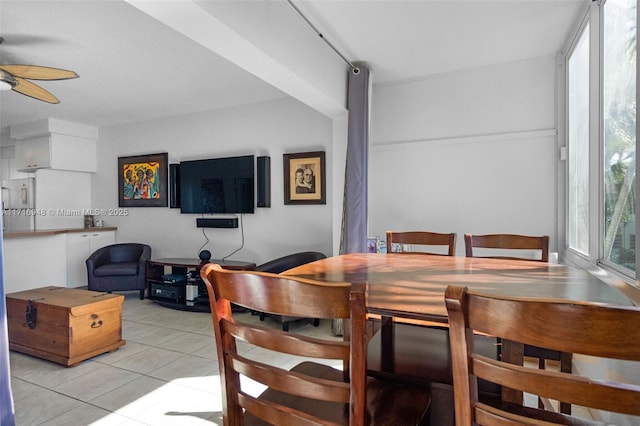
[372,245]
[142,180]
[89,221]
[305,178]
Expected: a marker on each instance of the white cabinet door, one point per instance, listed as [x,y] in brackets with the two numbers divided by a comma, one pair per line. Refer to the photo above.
[80,245]
[77,247]
[99,239]
[58,152]
[33,154]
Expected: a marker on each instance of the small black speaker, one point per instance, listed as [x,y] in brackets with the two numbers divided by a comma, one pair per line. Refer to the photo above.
[204,256]
[174,186]
[263,170]
[217,223]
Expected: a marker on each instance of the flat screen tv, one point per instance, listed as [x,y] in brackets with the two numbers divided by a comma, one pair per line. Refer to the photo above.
[217,185]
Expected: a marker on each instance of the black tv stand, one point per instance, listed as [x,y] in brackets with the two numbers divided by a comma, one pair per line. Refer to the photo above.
[175,282]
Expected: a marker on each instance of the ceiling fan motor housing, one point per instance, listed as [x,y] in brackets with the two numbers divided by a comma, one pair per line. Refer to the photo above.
[7,78]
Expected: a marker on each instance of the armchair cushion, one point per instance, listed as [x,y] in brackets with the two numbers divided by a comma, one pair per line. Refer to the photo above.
[122,268]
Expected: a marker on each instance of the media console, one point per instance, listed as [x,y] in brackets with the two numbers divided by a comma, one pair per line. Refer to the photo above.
[176,283]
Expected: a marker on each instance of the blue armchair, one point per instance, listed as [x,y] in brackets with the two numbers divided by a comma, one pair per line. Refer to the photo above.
[118,267]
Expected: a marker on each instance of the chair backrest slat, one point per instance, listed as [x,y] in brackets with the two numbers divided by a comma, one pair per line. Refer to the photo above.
[282,295]
[280,414]
[507,242]
[294,344]
[422,238]
[291,383]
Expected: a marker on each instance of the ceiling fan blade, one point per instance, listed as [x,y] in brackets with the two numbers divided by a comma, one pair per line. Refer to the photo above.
[33,90]
[35,72]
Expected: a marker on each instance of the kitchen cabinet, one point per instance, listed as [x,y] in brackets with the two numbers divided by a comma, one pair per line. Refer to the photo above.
[79,247]
[60,152]
[59,256]
[33,154]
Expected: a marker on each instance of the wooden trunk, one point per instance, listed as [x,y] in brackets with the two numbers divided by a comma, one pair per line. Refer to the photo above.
[70,325]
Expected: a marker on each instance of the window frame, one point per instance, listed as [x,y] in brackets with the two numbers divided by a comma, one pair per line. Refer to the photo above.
[594,18]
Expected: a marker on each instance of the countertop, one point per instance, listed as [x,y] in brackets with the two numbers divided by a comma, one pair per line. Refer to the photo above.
[49,232]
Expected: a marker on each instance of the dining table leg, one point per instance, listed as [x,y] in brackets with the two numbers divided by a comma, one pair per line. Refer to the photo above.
[513,353]
[387,341]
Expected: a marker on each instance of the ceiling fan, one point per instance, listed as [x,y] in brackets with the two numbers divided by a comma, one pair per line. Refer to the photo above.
[16,78]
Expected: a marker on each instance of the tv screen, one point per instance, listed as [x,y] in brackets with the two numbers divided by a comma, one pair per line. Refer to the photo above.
[217,185]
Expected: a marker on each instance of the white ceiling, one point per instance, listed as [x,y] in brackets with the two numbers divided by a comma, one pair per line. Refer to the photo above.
[134,68]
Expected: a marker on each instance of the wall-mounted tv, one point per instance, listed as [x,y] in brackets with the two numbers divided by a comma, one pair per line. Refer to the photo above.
[217,185]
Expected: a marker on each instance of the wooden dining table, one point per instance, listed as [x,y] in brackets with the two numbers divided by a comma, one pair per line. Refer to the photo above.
[413,285]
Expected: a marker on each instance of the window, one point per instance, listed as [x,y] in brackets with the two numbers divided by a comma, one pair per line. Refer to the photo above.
[578,141]
[619,132]
[601,123]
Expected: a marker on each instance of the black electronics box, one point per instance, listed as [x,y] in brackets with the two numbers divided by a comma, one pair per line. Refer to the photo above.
[174,278]
[168,291]
[217,223]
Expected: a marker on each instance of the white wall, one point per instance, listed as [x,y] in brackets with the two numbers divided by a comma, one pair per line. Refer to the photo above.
[271,128]
[62,197]
[472,151]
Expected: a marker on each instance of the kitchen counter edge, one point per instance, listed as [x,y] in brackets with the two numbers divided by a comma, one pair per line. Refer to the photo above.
[48,232]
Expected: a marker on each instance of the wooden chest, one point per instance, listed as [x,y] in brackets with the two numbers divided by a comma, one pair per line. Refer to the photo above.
[64,325]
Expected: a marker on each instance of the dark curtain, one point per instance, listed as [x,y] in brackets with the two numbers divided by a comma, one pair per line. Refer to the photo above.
[354,216]
[6,400]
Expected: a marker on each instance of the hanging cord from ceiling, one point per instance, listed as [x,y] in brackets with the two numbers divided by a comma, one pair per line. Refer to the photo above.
[354,69]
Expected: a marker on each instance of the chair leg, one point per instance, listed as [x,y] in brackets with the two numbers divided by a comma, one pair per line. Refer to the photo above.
[285,326]
[316,322]
[565,367]
[566,361]
[142,294]
[542,365]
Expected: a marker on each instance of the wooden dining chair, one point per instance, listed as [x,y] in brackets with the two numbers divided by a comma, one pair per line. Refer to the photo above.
[518,244]
[509,242]
[417,351]
[428,240]
[329,386]
[584,328]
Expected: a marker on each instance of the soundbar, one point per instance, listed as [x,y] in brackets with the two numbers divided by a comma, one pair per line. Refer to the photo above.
[217,223]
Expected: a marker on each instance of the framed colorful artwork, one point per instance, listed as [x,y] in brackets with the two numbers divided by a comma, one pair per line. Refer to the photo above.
[304,178]
[142,180]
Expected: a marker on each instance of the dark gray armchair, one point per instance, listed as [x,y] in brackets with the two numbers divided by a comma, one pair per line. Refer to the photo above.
[118,267]
[281,264]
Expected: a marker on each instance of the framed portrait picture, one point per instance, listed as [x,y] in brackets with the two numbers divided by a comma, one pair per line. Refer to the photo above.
[142,180]
[304,178]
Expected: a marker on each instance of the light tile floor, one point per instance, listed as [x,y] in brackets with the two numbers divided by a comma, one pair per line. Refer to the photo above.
[166,374]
